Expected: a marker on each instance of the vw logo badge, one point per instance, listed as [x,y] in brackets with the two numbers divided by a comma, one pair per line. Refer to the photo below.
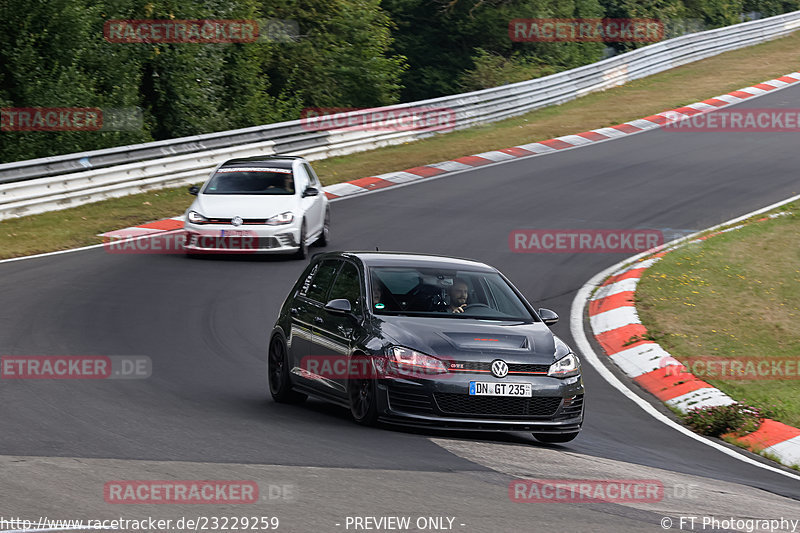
[499,368]
[237,221]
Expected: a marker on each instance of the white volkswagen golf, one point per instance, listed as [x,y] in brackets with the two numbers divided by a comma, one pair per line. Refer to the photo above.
[268,204]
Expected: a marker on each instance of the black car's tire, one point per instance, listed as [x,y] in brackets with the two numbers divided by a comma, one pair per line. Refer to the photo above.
[362,394]
[302,252]
[325,237]
[554,438]
[278,375]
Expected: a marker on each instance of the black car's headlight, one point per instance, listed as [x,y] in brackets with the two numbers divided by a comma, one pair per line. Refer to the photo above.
[413,363]
[197,218]
[566,367]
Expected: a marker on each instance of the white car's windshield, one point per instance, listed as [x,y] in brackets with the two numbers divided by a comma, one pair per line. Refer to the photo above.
[444,293]
[251,180]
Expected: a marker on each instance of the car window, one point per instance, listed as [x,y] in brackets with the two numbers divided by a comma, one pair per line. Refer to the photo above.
[348,287]
[311,174]
[445,293]
[309,276]
[321,282]
[251,180]
[301,178]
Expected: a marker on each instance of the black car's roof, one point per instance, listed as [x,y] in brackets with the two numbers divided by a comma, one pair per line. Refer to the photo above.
[261,160]
[388,259]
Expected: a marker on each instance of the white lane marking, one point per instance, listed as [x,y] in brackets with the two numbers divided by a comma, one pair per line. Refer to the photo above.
[755,91]
[496,156]
[788,450]
[537,148]
[643,358]
[451,166]
[705,397]
[344,189]
[610,132]
[589,355]
[574,139]
[614,318]
[626,285]
[729,98]
[642,123]
[399,177]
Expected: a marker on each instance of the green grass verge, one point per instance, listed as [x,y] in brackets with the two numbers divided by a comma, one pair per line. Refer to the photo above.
[734,296]
[680,86]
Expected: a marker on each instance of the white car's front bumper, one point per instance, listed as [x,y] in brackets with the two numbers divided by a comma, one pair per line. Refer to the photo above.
[251,238]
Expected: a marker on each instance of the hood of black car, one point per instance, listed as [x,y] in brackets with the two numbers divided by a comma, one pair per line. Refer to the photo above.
[472,339]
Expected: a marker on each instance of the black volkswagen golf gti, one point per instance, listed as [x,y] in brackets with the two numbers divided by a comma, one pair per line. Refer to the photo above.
[426,341]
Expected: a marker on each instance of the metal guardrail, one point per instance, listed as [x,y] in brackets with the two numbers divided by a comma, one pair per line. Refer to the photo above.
[38,185]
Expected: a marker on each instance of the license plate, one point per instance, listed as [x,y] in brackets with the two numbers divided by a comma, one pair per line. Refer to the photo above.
[234,233]
[481,388]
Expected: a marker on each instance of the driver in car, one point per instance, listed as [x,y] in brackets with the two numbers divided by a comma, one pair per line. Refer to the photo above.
[459,292]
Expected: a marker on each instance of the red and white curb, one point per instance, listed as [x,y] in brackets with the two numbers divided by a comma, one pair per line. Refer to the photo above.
[382,181]
[391,179]
[617,328]
[151,228]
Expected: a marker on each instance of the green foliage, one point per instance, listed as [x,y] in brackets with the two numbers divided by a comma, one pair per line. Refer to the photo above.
[347,53]
[492,70]
[738,418]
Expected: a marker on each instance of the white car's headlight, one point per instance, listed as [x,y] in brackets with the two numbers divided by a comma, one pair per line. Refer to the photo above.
[279,220]
[565,367]
[197,218]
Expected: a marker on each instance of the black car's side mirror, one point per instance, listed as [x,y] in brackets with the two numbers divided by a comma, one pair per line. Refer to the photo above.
[548,317]
[340,306]
[310,191]
[194,189]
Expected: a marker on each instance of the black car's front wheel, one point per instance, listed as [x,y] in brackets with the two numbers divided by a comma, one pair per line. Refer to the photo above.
[554,438]
[362,393]
[278,373]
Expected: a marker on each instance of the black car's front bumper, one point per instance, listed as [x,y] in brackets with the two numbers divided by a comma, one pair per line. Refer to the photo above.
[444,402]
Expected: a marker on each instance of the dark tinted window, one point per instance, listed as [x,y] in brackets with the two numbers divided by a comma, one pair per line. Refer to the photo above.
[348,286]
[322,281]
[251,180]
[445,293]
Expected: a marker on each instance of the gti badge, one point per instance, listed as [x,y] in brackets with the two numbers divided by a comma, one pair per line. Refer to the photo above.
[237,221]
[499,368]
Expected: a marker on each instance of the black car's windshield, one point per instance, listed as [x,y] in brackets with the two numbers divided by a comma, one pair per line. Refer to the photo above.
[437,292]
[251,180]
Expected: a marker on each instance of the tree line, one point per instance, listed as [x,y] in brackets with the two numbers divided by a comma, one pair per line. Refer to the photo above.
[312,53]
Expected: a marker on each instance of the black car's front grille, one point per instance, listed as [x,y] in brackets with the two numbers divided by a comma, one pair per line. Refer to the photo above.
[497,406]
[513,368]
[409,399]
[572,407]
